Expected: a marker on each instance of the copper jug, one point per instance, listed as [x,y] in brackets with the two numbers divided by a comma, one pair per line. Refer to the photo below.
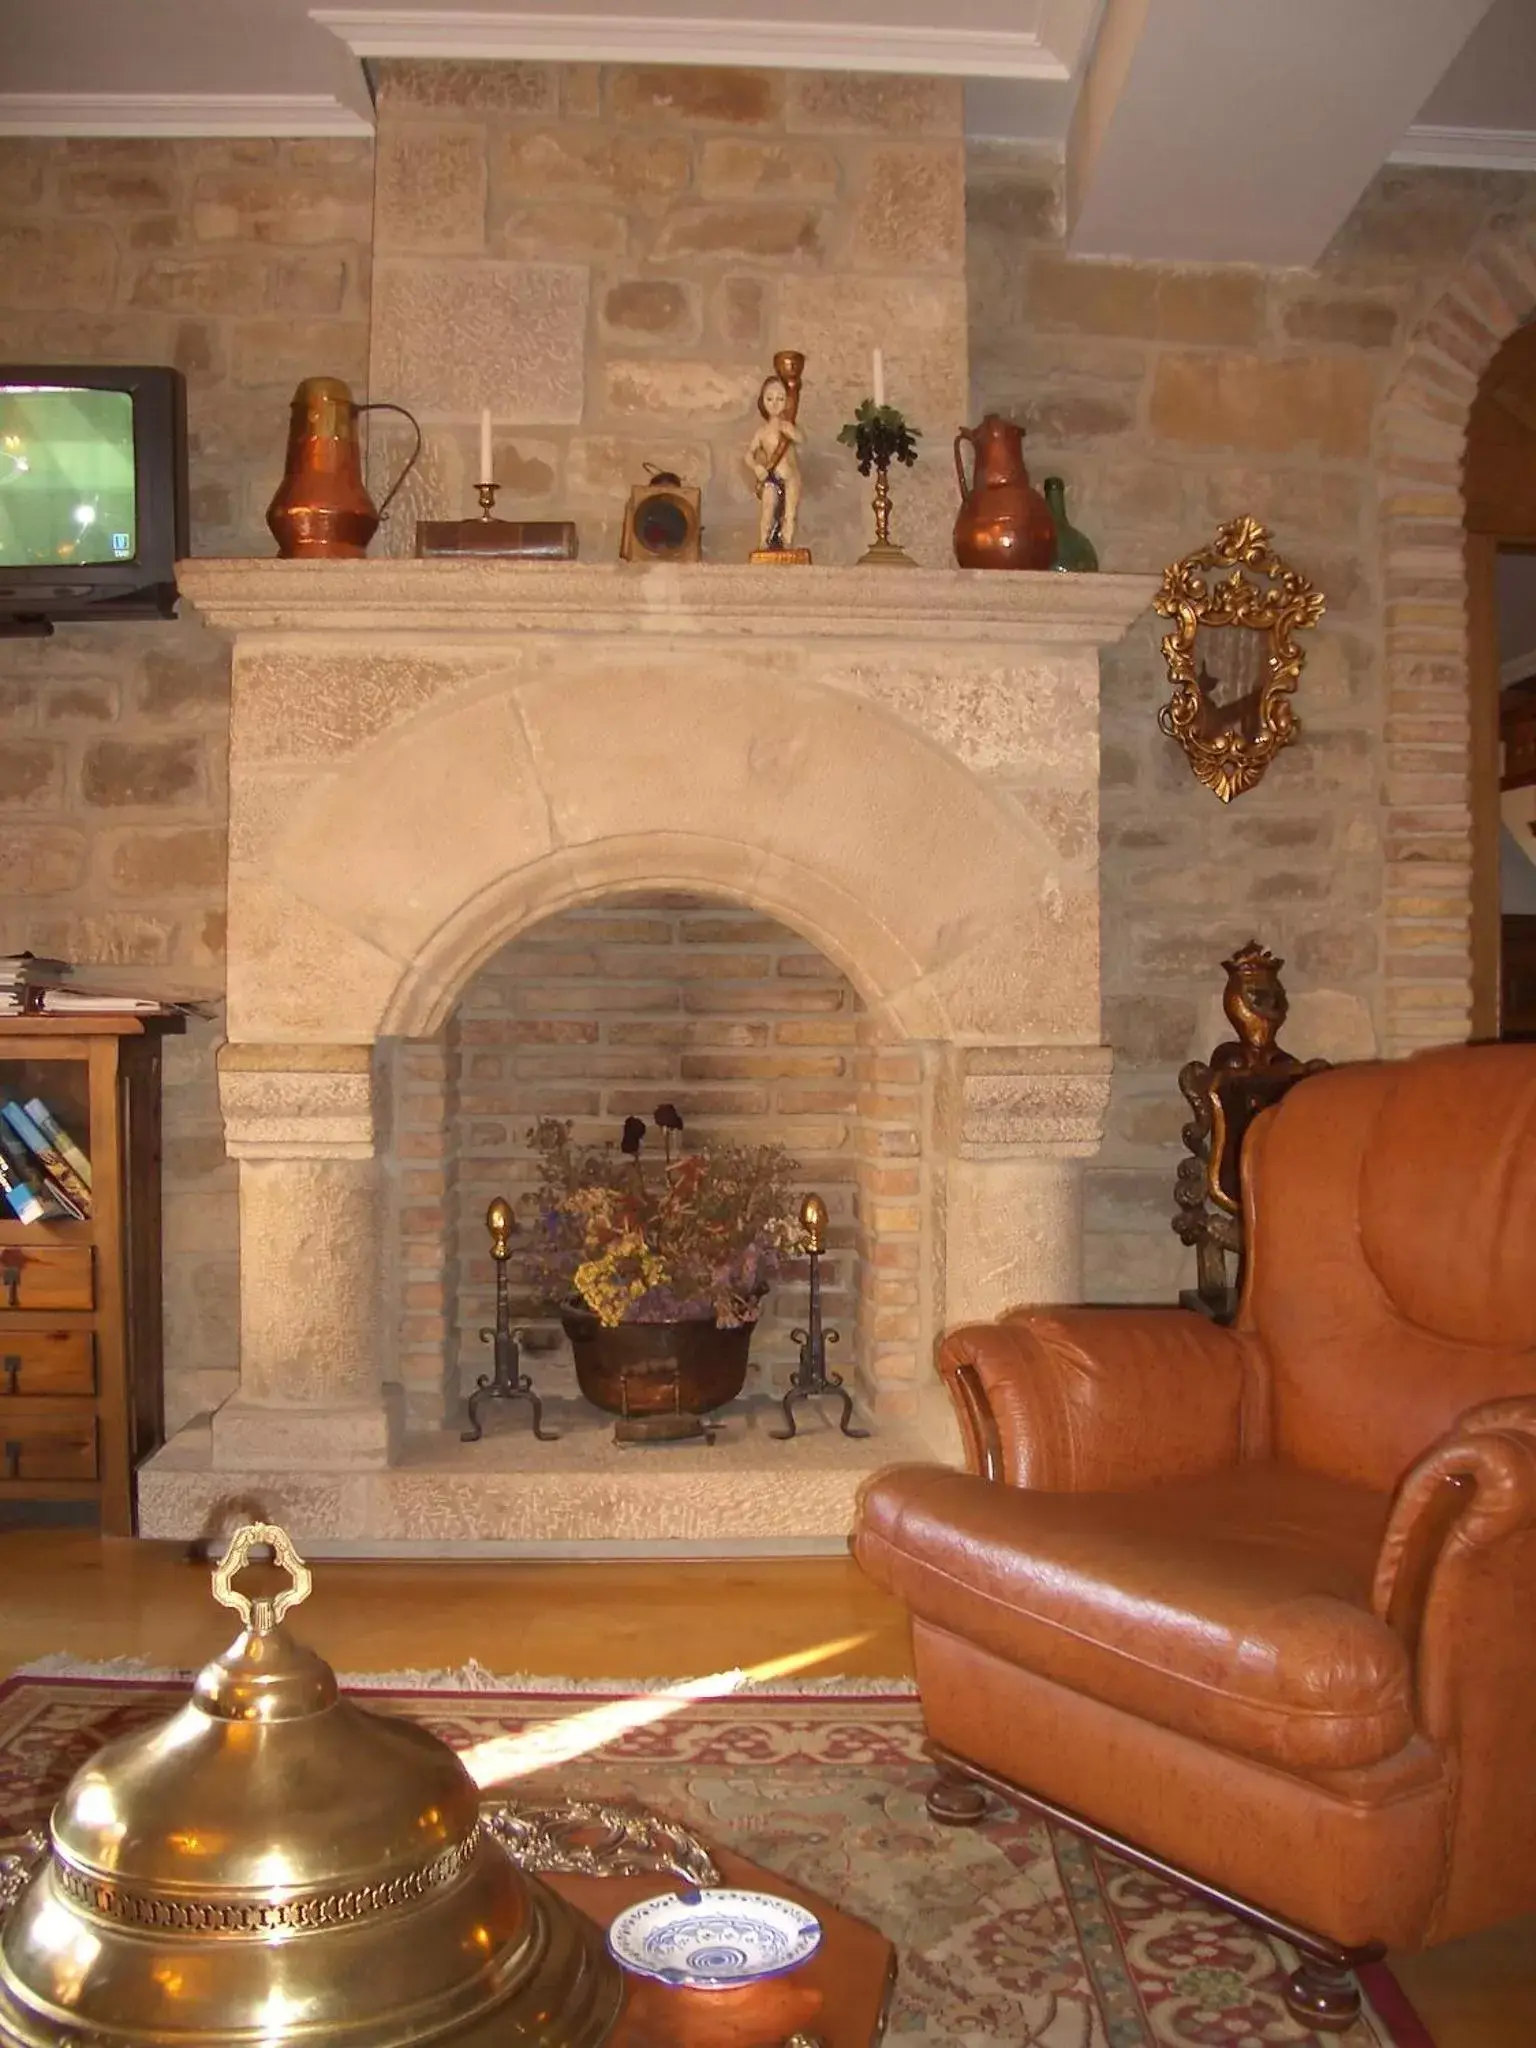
[1004,523]
[322,507]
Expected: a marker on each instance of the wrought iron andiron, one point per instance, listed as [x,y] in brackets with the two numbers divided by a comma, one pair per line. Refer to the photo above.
[810,1378]
[506,1382]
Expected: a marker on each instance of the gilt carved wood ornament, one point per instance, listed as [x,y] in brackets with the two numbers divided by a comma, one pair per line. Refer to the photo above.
[1232,655]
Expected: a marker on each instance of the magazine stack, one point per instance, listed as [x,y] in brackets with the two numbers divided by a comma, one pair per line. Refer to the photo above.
[32,987]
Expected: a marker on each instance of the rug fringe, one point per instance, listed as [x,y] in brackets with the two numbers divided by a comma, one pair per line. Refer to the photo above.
[474,1676]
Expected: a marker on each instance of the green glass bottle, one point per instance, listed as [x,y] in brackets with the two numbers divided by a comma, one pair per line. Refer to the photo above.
[1074,550]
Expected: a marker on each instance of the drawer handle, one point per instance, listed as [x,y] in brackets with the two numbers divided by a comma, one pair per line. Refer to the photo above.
[10,1273]
[10,1365]
[12,1460]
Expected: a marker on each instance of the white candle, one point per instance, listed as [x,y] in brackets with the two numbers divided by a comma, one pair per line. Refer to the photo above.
[485,445]
[877,370]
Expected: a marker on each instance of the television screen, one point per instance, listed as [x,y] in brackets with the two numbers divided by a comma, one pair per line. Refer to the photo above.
[93,492]
[67,496]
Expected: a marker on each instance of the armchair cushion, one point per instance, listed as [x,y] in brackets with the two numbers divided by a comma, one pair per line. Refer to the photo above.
[1234,1607]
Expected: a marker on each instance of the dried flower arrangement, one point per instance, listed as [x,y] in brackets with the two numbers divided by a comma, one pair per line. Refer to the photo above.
[694,1236]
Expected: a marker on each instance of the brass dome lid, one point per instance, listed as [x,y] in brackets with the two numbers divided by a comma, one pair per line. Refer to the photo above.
[275,1864]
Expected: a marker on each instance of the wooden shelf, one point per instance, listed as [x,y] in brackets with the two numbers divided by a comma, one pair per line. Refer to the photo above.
[97,1279]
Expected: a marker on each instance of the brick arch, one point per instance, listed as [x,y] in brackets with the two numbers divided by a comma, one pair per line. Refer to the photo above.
[875,960]
[1421,445]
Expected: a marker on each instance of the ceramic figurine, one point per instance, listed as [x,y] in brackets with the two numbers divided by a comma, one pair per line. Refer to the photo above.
[773,456]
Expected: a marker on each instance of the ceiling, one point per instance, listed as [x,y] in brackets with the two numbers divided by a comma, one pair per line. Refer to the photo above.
[1192,130]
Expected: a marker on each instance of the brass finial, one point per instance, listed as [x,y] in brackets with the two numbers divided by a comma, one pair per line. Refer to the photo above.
[501,1223]
[261,1615]
[813,1221]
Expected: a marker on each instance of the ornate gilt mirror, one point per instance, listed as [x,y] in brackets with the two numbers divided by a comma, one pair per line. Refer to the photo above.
[1232,655]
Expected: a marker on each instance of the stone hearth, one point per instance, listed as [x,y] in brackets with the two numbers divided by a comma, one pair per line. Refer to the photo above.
[427,759]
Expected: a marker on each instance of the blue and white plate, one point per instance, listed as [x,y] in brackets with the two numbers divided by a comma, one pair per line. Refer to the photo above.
[715,1940]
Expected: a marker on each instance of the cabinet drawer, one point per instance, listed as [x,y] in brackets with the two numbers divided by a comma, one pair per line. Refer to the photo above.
[52,1276]
[47,1362]
[46,1447]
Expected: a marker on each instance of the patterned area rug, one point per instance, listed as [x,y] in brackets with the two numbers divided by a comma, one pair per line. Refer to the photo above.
[1012,1935]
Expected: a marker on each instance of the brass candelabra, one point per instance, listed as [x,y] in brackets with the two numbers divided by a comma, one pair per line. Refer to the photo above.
[506,1381]
[811,1379]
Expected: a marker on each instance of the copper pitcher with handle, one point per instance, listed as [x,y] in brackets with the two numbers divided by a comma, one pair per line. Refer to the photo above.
[1004,523]
[322,509]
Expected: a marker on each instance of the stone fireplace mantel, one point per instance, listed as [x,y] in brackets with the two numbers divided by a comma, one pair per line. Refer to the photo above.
[428,758]
[471,599]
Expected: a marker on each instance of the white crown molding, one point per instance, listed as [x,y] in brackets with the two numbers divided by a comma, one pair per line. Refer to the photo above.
[576,37]
[178,113]
[1468,149]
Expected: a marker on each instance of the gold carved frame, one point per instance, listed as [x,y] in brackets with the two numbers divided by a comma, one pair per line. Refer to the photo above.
[1230,745]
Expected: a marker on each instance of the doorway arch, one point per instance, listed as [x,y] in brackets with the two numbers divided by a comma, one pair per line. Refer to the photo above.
[1430,740]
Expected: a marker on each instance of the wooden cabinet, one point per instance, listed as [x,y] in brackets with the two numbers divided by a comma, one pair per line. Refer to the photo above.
[80,1366]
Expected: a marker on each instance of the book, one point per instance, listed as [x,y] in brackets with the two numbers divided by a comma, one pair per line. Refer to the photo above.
[56,1134]
[25,1178]
[20,1196]
[64,1002]
[27,970]
[60,1173]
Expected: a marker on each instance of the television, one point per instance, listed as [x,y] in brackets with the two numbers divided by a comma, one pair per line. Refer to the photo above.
[93,492]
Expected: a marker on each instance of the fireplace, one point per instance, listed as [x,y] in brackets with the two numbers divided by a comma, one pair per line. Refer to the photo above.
[884,785]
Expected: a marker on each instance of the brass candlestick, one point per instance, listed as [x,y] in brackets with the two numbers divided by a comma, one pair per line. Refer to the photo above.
[879,436]
[810,1379]
[485,497]
[506,1382]
[884,553]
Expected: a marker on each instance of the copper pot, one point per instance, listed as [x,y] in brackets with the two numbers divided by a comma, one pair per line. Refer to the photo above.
[657,1368]
[1004,523]
[322,507]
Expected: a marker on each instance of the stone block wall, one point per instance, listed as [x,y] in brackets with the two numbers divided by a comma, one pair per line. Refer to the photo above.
[244,263]
[604,1012]
[1170,401]
[608,257]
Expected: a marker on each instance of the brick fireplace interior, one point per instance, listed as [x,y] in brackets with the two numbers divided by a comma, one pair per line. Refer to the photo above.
[605,1012]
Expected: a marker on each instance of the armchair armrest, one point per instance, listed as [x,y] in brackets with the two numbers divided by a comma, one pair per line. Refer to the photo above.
[1080,1400]
[1456,1576]
[1469,1491]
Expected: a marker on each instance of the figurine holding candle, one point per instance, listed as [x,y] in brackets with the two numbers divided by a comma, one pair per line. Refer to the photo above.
[773,457]
[879,436]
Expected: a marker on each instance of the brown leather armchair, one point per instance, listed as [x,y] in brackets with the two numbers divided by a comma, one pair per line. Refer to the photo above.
[1257,1605]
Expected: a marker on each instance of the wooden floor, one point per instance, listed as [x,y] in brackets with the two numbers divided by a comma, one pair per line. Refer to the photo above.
[65,1591]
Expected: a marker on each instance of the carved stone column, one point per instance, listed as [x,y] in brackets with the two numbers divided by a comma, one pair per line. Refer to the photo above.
[1018,1121]
[299,1118]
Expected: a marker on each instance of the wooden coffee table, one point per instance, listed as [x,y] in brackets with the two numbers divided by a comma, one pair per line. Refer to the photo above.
[839,1998]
